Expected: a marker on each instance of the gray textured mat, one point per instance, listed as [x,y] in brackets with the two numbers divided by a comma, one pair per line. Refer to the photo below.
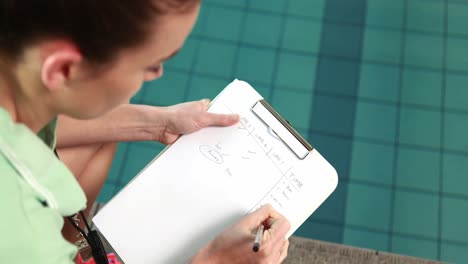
[302,251]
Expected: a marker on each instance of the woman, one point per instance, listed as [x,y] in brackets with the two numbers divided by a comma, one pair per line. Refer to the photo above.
[83,59]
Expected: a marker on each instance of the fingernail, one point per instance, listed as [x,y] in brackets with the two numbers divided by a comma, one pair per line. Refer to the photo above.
[235,117]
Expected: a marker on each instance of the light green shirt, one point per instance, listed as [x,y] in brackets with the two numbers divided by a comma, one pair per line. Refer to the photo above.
[36,191]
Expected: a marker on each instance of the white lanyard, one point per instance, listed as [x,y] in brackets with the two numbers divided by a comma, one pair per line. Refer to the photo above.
[24,171]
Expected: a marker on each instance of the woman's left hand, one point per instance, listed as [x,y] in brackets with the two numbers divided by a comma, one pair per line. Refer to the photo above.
[186,118]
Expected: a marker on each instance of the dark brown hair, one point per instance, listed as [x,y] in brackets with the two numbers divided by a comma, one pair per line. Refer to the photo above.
[100,28]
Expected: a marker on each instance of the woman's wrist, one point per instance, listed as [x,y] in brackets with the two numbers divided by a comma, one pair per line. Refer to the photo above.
[153,122]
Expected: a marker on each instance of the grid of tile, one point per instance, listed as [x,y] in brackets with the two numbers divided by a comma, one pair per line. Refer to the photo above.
[379,87]
[409,142]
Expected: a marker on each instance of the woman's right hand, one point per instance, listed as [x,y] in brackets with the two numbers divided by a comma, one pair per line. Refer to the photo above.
[235,244]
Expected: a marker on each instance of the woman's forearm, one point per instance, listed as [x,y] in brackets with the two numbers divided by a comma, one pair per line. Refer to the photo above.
[125,123]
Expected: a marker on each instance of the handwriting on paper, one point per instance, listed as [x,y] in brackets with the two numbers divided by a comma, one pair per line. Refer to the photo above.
[246,124]
[265,146]
[295,180]
[211,154]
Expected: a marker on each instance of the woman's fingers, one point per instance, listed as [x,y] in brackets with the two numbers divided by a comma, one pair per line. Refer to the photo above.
[284,251]
[277,228]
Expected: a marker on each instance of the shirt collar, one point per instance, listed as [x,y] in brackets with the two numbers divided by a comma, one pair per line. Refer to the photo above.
[35,156]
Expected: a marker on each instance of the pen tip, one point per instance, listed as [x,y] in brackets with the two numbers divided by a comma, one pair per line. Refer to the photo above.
[255,248]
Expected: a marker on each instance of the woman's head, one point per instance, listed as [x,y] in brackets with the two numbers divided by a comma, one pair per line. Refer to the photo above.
[99,28]
[89,56]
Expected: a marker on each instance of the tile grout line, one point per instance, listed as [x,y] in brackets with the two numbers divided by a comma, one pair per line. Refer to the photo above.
[353,134]
[397,130]
[442,134]
[196,54]
[278,50]
[238,44]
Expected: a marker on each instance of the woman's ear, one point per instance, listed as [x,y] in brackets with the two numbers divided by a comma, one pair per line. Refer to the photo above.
[58,66]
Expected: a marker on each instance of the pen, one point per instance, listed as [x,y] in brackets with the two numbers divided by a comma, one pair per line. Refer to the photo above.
[258,238]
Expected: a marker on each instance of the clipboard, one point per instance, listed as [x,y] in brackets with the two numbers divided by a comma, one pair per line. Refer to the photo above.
[208,180]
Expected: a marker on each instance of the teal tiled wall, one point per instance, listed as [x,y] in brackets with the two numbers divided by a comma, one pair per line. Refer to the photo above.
[379,87]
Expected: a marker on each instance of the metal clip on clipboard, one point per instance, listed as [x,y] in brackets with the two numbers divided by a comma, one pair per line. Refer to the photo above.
[282,129]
